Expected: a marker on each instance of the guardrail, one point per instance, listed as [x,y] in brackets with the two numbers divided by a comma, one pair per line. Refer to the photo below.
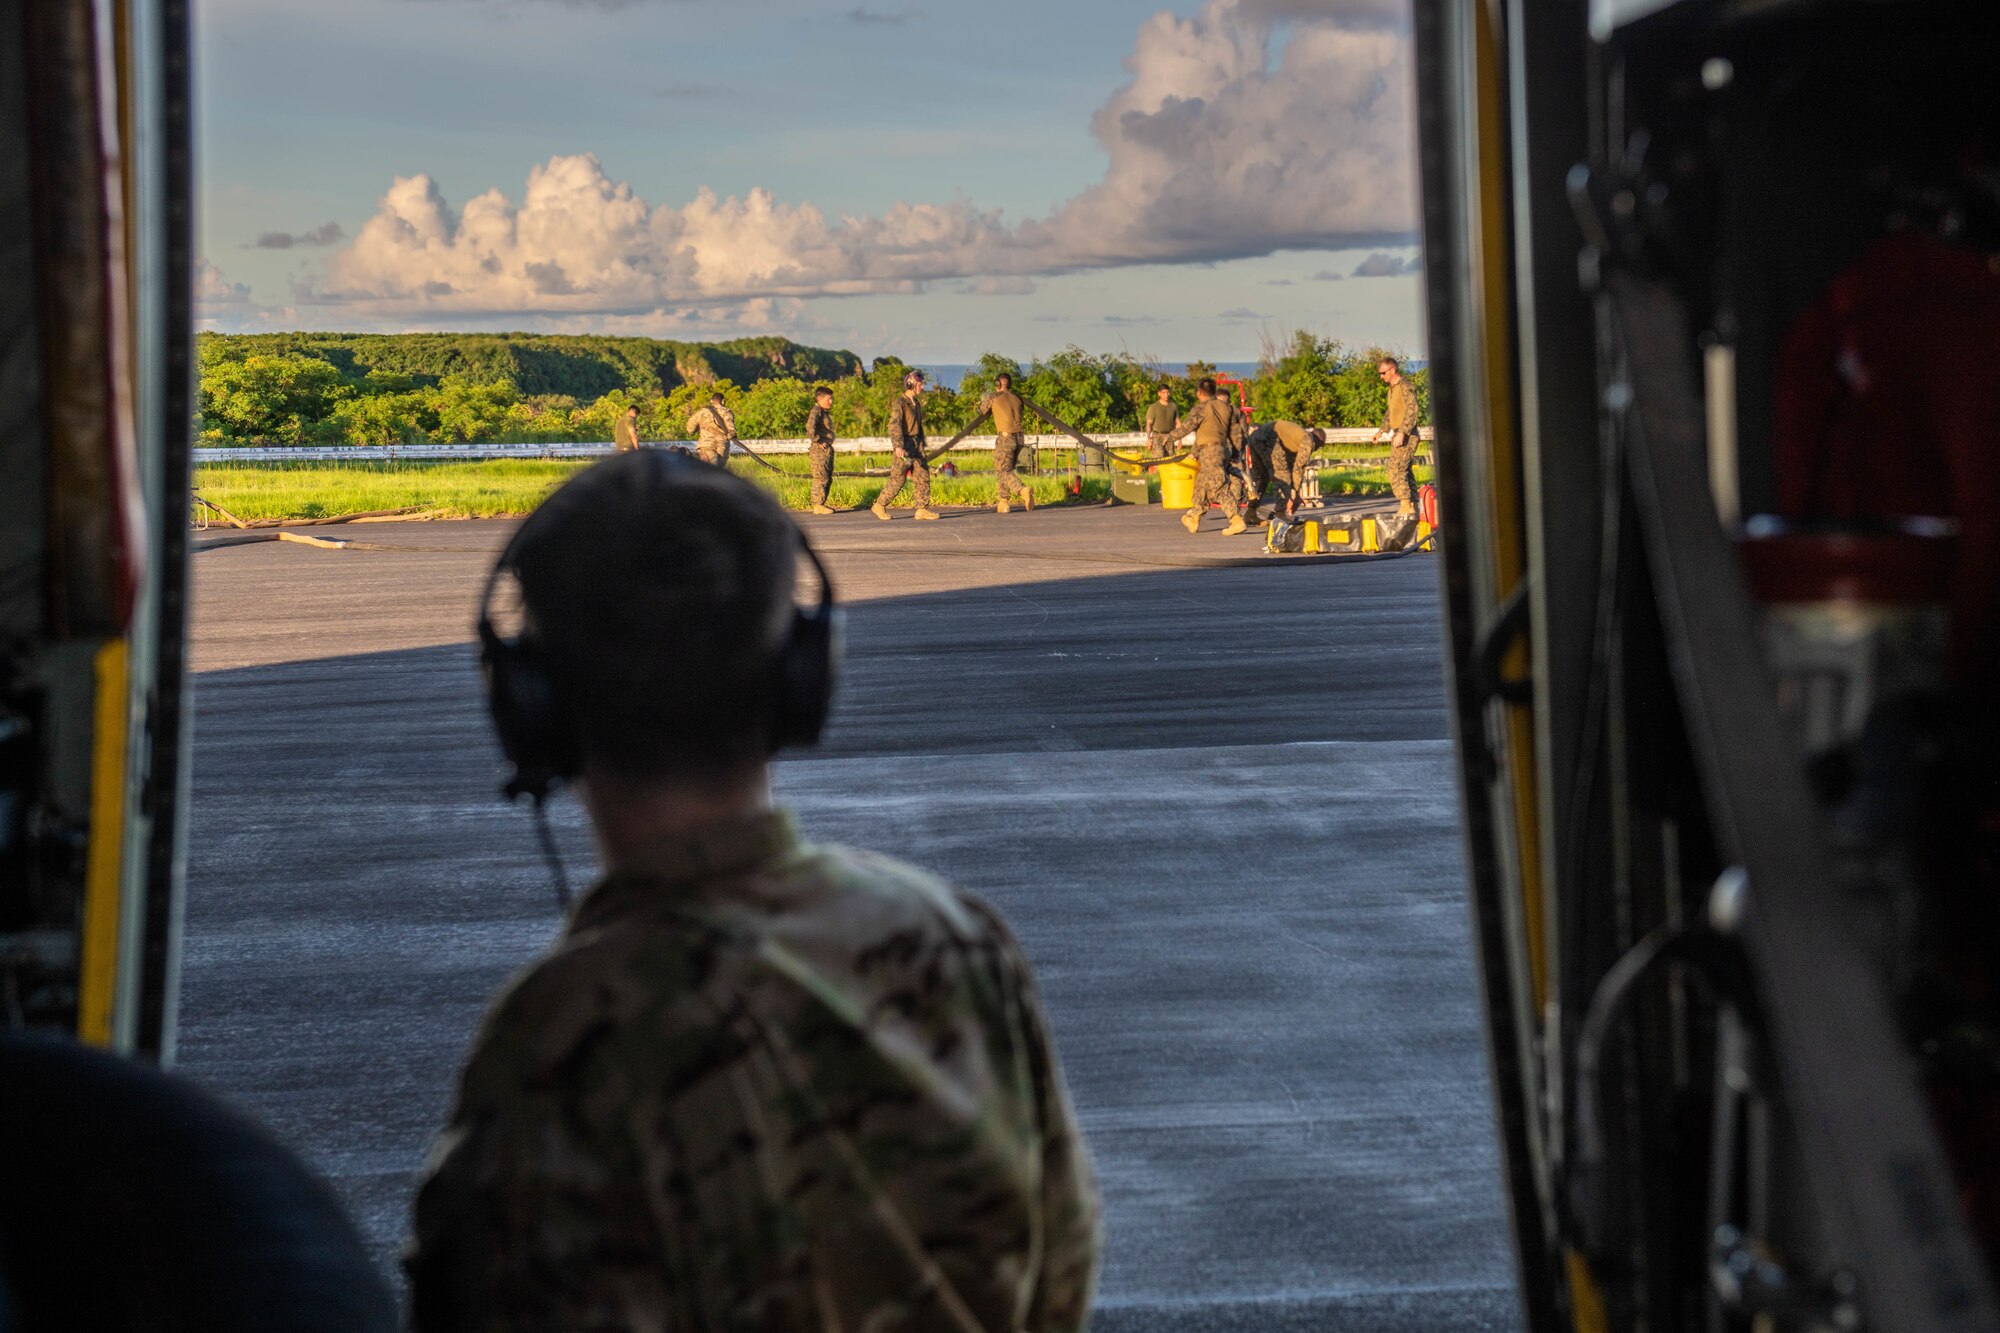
[472,453]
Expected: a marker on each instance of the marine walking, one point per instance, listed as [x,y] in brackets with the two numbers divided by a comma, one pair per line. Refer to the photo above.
[1216,429]
[906,451]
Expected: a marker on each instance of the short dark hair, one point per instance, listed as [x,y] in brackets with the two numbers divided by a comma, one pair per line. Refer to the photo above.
[1388,361]
[1004,378]
[1165,388]
[657,593]
[715,397]
[631,408]
[822,391]
[1207,385]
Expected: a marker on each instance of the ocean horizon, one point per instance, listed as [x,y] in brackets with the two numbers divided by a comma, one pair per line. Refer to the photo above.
[948,374]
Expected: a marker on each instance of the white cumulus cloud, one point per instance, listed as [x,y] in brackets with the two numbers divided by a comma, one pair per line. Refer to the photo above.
[213,290]
[1217,149]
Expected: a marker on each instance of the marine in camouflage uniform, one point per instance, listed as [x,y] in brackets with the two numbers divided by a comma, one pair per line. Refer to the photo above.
[1159,424]
[819,451]
[625,434]
[1006,408]
[1215,429]
[714,426]
[1257,449]
[1399,423]
[1286,447]
[762,1085]
[906,451]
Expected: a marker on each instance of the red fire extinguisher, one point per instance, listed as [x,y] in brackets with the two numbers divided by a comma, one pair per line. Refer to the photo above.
[1427,504]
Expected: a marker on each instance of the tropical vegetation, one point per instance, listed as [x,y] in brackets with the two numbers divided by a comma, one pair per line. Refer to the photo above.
[378,389]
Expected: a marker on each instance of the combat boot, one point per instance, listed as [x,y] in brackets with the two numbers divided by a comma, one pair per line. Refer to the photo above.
[1001,507]
[1191,521]
[879,511]
[822,509]
[1236,525]
[1027,502]
[1251,515]
[928,515]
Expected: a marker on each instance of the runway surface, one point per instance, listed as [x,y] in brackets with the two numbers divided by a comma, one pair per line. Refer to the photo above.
[1215,801]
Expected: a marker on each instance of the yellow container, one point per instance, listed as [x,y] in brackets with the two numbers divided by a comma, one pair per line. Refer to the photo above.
[1177,484]
[1371,536]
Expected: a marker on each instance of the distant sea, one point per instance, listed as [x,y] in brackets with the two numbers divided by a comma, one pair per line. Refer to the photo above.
[948,376]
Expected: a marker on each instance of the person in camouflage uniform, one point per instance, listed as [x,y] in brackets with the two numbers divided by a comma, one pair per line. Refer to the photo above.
[757,1083]
[819,448]
[1257,447]
[714,426]
[625,434]
[1286,448]
[1215,426]
[1159,422]
[1399,423]
[906,451]
[1006,409]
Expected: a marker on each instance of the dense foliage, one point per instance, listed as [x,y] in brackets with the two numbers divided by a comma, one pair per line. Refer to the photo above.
[310,388]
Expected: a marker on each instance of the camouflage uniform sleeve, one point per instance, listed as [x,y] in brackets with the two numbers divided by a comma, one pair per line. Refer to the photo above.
[1410,413]
[1071,1213]
[532,1215]
[1181,428]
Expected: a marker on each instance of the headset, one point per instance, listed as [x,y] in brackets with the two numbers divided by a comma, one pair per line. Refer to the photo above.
[542,747]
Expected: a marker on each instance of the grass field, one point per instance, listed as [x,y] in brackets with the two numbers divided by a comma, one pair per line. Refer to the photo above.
[503,487]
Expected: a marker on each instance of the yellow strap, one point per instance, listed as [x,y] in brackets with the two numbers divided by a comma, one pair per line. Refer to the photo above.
[104,879]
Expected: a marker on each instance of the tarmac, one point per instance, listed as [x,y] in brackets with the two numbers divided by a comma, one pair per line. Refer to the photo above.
[1213,794]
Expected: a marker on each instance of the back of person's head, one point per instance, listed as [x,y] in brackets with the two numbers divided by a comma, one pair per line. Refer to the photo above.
[658,598]
[1207,387]
[1003,381]
[715,397]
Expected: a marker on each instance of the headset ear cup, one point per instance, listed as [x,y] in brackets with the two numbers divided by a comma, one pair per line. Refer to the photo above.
[806,676]
[527,717]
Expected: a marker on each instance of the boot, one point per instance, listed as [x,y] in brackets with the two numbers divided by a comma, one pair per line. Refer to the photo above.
[927,515]
[1191,521]
[1251,515]
[1002,507]
[1236,525]
[822,509]
[1027,501]
[879,511]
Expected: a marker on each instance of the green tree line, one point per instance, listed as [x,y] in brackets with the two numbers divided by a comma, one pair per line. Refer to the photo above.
[515,388]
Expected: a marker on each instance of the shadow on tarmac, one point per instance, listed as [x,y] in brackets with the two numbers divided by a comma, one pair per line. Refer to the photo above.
[1217,806]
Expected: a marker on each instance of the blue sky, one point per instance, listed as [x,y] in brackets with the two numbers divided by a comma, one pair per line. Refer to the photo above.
[932,179]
